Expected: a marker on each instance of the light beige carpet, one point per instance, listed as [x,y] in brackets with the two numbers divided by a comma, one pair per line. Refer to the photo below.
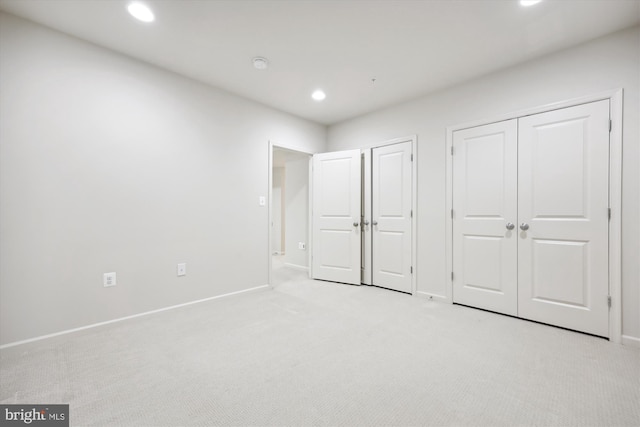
[318,353]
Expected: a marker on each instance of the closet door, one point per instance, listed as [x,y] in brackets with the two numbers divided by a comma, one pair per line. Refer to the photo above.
[391,198]
[336,216]
[563,194]
[485,216]
[365,224]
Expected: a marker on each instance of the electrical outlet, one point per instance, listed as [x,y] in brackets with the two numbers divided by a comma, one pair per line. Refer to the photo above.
[182,269]
[302,246]
[109,279]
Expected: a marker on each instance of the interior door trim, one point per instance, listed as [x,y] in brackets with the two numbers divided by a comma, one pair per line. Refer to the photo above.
[271,146]
[615,197]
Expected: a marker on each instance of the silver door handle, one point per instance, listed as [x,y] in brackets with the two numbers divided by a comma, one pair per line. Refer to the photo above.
[524,226]
[510,226]
[374,223]
[366,222]
[355,224]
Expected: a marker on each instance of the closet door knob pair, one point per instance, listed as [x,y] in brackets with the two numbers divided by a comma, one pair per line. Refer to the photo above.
[524,226]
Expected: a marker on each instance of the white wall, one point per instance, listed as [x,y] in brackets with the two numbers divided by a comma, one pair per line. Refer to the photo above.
[297,209]
[109,164]
[277,211]
[607,63]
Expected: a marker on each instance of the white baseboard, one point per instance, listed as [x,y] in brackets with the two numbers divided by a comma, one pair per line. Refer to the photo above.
[296,266]
[630,341]
[133,316]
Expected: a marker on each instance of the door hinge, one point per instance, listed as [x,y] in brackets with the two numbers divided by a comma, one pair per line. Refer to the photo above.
[452,150]
[609,213]
[412,157]
[411,213]
[452,276]
[610,125]
[609,300]
[451,213]
[411,268]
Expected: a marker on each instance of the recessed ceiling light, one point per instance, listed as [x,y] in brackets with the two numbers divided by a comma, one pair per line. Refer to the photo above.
[318,95]
[529,2]
[260,63]
[141,12]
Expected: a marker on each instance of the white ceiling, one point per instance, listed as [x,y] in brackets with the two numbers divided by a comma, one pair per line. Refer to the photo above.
[409,47]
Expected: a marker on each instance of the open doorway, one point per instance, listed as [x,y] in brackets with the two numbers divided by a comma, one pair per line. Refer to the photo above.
[289,215]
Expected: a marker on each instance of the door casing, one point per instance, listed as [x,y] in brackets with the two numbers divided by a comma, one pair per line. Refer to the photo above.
[272,145]
[615,198]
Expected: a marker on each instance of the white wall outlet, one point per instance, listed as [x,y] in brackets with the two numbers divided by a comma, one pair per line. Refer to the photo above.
[302,246]
[182,269]
[262,201]
[109,279]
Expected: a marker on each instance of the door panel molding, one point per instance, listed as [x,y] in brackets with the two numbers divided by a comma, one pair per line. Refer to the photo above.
[615,197]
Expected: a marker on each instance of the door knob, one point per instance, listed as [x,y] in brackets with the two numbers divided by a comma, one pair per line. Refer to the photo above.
[366,222]
[510,226]
[524,226]
[355,224]
[374,223]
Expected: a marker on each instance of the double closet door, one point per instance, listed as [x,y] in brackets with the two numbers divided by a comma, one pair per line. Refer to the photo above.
[530,217]
[361,216]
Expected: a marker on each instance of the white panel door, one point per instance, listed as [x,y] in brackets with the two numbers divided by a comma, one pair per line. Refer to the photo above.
[366,218]
[336,216]
[484,209]
[391,216]
[563,200]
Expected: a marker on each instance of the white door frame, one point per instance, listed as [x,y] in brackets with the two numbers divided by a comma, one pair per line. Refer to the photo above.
[615,197]
[273,145]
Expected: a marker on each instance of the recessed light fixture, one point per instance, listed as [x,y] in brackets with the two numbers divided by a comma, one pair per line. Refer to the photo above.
[260,63]
[141,12]
[529,2]
[318,95]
